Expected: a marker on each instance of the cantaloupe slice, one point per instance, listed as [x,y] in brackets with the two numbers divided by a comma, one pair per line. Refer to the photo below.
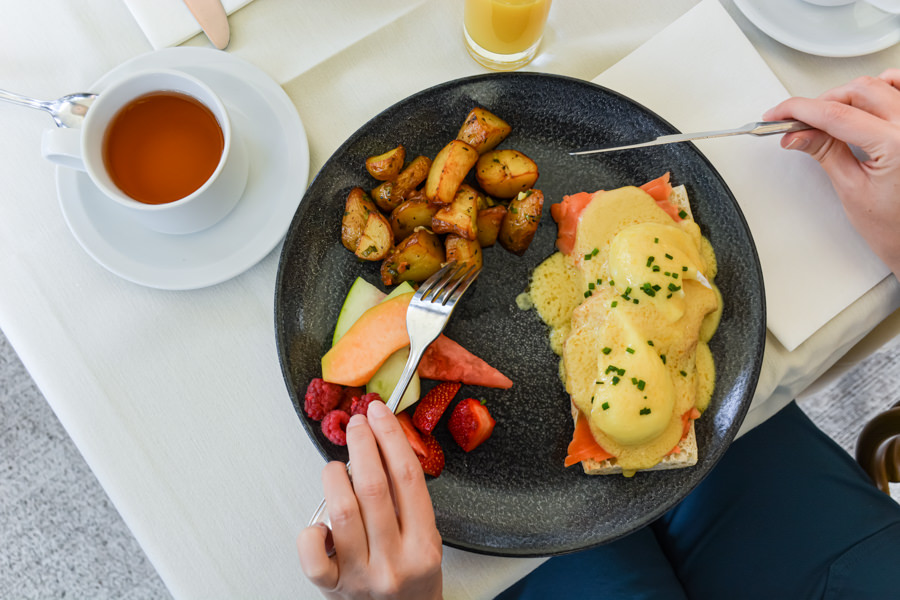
[378,333]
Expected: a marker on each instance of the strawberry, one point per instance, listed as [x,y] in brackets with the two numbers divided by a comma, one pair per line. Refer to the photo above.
[433,405]
[470,424]
[412,434]
[433,461]
[425,445]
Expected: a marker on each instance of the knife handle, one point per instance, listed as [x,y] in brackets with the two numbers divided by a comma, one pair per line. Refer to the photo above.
[773,127]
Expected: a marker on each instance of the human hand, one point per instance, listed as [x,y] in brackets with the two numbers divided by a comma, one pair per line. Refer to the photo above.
[865,113]
[385,539]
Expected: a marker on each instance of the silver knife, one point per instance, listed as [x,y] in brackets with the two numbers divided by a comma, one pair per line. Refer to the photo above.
[758,129]
[213,20]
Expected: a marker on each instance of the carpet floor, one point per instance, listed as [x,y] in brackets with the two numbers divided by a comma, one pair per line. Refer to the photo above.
[61,537]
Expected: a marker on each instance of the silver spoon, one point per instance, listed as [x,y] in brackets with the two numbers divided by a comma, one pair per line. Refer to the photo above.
[68,111]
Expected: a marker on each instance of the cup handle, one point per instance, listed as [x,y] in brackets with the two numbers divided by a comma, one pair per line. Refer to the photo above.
[63,147]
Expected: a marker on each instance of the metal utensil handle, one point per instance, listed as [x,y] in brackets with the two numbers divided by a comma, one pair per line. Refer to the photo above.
[773,127]
[23,100]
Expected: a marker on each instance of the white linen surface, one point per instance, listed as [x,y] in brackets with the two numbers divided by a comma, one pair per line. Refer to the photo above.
[175,399]
[170,22]
[714,79]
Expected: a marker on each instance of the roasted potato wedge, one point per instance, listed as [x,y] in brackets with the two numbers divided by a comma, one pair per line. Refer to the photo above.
[390,194]
[463,251]
[416,258]
[412,213]
[385,167]
[488,224]
[505,173]
[483,130]
[521,221]
[356,213]
[376,240]
[449,168]
[459,216]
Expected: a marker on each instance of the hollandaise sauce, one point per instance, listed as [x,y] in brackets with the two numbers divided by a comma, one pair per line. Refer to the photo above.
[631,307]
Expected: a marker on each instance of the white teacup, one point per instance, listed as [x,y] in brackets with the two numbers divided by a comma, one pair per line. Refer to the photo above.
[889,6]
[83,149]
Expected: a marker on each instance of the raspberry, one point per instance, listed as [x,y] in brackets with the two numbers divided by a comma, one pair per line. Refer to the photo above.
[350,394]
[334,426]
[360,405]
[321,397]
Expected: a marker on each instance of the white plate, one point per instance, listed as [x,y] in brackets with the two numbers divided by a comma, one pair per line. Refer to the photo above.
[850,30]
[267,121]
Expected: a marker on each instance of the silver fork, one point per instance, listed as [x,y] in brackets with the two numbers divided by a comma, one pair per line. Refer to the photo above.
[427,315]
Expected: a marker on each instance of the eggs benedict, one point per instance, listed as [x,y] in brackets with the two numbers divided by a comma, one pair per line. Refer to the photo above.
[631,304]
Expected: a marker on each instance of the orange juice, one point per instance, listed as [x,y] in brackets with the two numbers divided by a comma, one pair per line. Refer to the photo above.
[505,30]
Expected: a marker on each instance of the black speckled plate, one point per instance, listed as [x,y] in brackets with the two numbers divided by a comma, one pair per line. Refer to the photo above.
[512,496]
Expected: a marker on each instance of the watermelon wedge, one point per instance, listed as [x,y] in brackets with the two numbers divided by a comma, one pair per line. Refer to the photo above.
[445,360]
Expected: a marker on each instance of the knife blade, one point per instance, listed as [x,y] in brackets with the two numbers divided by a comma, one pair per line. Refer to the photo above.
[213,20]
[759,128]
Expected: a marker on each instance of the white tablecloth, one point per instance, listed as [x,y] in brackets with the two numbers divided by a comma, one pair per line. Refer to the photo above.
[176,399]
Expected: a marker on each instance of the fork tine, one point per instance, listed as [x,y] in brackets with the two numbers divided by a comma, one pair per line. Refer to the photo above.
[443,295]
[436,281]
[464,284]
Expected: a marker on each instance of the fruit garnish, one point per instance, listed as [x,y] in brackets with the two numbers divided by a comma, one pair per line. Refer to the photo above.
[470,424]
[334,426]
[426,447]
[321,398]
[432,406]
[360,405]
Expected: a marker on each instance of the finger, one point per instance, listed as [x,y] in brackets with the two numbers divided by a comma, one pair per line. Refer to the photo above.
[891,76]
[413,501]
[835,156]
[319,568]
[370,482]
[871,94]
[348,530]
[838,120]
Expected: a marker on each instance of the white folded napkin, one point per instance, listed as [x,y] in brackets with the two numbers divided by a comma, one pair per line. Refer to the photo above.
[170,22]
[701,73]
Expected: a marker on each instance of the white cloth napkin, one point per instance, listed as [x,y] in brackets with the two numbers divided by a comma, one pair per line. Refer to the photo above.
[814,264]
[170,22]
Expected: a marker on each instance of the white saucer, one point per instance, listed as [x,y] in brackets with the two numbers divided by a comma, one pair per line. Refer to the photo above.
[850,30]
[267,121]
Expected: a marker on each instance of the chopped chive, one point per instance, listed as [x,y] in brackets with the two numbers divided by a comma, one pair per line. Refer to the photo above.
[605,406]
[662,357]
[611,282]
[648,289]
[595,251]
[591,286]
[629,350]
[645,411]
[655,240]
[674,275]
[614,304]
[667,273]
[636,301]
[669,256]
[669,296]
[587,294]
[634,380]
[649,342]
[682,214]
[683,374]
[607,350]
[656,268]
[673,287]
[621,372]
[599,282]
[587,257]
[615,380]
[612,369]
[592,399]
[684,268]
[650,260]
[641,383]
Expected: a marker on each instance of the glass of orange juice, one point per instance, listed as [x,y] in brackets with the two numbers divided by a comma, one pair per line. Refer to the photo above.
[504,34]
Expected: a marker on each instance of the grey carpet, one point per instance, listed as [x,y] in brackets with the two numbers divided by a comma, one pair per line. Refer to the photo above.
[61,537]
